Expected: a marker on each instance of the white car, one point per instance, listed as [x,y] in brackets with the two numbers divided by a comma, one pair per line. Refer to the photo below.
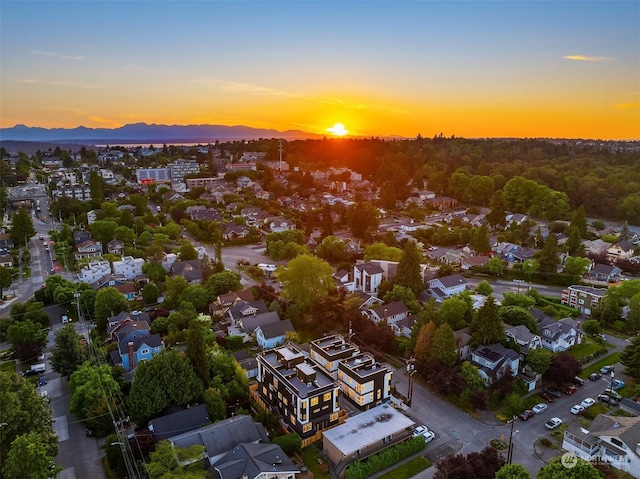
[587,402]
[538,408]
[424,432]
[577,409]
[553,423]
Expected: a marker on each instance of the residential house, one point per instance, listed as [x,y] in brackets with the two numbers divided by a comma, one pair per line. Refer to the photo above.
[462,338]
[179,422]
[117,322]
[298,390]
[232,231]
[595,247]
[129,267]
[403,326]
[246,326]
[524,338]
[442,203]
[452,257]
[620,251]
[88,249]
[495,360]
[5,241]
[344,280]
[81,236]
[115,247]
[447,286]
[207,214]
[604,272]
[256,461]
[367,277]
[95,270]
[470,262]
[128,290]
[139,347]
[613,439]
[6,260]
[224,301]
[516,218]
[557,336]
[168,260]
[364,381]
[583,298]
[240,309]
[191,270]
[271,335]
[248,363]
[388,313]
[363,435]
[328,351]
[279,224]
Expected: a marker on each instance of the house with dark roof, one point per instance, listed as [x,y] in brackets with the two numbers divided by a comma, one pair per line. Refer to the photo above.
[243,309]
[248,363]
[442,288]
[367,277]
[273,334]
[255,461]
[604,272]
[88,249]
[120,320]
[246,326]
[139,348]
[328,351]
[364,381]
[232,231]
[403,327]
[191,270]
[558,336]
[179,422]
[495,360]
[462,338]
[524,338]
[613,439]
[620,251]
[115,247]
[389,313]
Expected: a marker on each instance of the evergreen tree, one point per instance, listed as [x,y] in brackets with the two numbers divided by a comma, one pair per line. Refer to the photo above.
[96,186]
[68,353]
[498,214]
[624,232]
[574,243]
[408,272]
[487,326]
[197,352]
[548,256]
[630,358]
[443,346]
[480,241]
[579,221]
[22,228]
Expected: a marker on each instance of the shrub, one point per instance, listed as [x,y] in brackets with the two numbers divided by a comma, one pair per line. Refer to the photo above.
[384,459]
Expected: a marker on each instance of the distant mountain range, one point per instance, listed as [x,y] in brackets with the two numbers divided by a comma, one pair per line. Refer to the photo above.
[145,133]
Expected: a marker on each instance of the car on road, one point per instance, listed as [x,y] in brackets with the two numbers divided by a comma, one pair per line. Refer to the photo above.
[553,423]
[89,433]
[42,381]
[547,397]
[606,369]
[578,381]
[606,398]
[524,415]
[617,384]
[45,396]
[577,409]
[570,390]
[424,432]
[587,402]
[594,376]
[539,408]
[553,391]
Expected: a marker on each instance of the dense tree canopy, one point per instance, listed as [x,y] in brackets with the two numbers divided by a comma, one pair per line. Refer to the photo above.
[306,280]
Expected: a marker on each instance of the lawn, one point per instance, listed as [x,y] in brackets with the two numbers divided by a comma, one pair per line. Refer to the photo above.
[584,349]
[408,469]
[595,367]
[8,366]
[311,457]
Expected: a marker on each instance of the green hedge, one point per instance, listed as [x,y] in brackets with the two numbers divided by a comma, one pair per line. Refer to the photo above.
[384,459]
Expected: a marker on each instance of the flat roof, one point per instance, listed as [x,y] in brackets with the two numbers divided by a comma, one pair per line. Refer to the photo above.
[367,428]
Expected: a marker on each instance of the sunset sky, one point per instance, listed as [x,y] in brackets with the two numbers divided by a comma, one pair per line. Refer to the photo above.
[473,69]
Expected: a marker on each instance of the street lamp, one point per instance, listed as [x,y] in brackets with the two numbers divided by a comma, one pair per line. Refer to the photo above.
[511,434]
[411,370]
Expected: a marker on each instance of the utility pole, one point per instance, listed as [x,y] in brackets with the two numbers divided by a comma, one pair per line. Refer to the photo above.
[410,371]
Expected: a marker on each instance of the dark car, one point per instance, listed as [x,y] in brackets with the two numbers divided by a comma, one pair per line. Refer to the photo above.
[89,433]
[527,414]
[547,397]
[42,381]
[553,391]
[594,376]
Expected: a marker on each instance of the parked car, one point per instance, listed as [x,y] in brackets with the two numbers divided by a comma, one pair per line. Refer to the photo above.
[610,400]
[606,369]
[539,408]
[45,396]
[578,381]
[547,397]
[89,433]
[553,423]
[570,390]
[42,381]
[577,409]
[614,394]
[587,402]
[617,384]
[594,376]
[524,415]
[553,391]
[424,432]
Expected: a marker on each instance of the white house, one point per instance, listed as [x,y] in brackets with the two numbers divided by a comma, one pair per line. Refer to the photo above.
[494,360]
[558,336]
[129,267]
[389,313]
[95,270]
[168,260]
[614,439]
[367,277]
[524,338]
[448,285]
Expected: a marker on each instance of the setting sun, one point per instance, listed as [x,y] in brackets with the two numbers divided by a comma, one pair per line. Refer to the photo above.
[338,129]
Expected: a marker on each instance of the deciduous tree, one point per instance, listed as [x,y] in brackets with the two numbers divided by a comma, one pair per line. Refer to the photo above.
[539,360]
[30,457]
[423,343]
[443,346]
[580,469]
[479,465]
[306,280]
[513,471]
[564,367]
[22,229]
[68,353]
[109,302]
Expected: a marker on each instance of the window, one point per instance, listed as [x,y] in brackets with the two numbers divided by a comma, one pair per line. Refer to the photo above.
[314,401]
[293,419]
[326,397]
[333,417]
[144,351]
[306,427]
[618,442]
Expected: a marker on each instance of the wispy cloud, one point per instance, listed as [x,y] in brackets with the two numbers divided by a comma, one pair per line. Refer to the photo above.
[586,58]
[74,84]
[99,119]
[30,80]
[47,53]
[628,106]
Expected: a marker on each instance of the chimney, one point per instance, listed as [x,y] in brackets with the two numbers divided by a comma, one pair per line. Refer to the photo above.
[132,356]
